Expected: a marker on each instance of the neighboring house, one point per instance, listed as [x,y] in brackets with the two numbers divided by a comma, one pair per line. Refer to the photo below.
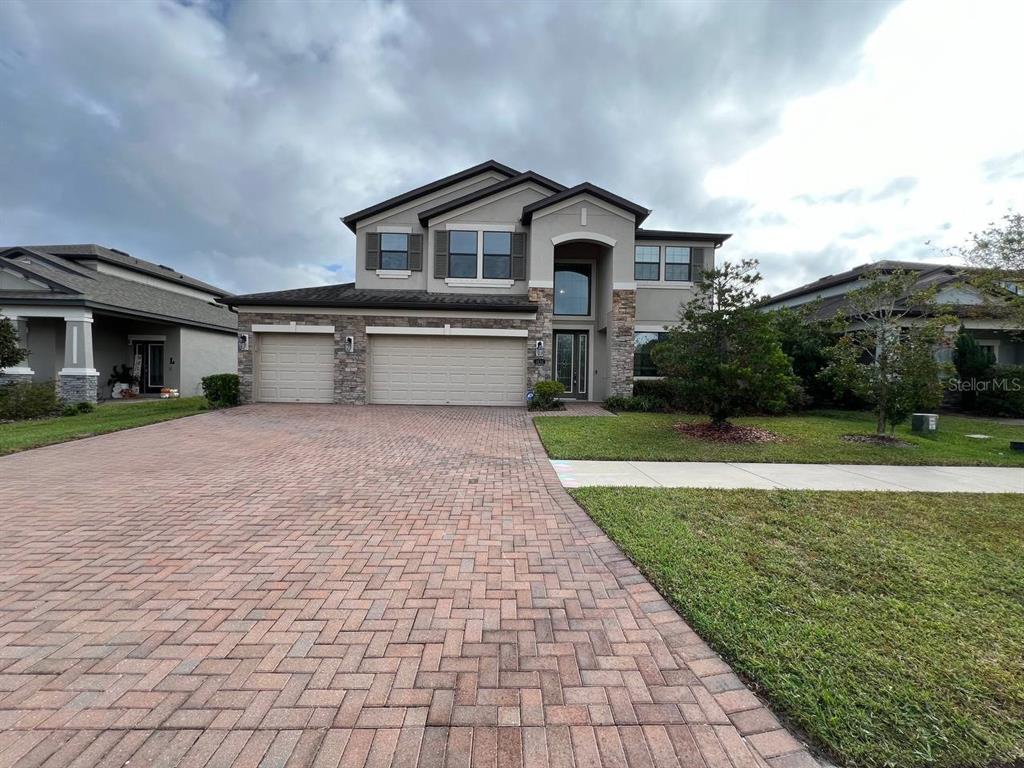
[471,289]
[976,311]
[81,310]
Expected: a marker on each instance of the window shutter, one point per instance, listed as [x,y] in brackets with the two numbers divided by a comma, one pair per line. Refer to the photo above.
[697,265]
[416,253]
[372,250]
[518,255]
[441,254]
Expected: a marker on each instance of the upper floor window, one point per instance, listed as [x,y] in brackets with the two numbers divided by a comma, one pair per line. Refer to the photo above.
[394,251]
[498,255]
[677,263]
[647,262]
[572,289]
[461,254]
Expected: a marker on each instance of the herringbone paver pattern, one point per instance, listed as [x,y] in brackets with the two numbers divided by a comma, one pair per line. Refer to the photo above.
[340,586]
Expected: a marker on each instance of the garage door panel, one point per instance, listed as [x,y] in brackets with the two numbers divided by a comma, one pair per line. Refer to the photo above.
[295,368]
[424,370]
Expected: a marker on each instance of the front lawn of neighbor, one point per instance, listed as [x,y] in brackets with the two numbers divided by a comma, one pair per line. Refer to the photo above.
[108,417]
[813,438]
[888,627]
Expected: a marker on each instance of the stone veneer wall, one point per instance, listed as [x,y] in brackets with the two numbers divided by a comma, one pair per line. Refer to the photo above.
[15,378]
[540,330]
[621,324]
[77,389]
[350,368]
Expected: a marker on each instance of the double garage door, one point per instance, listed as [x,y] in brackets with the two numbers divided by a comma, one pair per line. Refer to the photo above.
[417,370]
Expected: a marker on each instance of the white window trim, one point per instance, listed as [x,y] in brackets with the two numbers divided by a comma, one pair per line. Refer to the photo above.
[595,236]
[394,229]
[399,274]
[480,281]
[663,284]
[446,330]
[292,328]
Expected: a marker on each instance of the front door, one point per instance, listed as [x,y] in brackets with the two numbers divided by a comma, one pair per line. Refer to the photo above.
[570,362]
[148,362]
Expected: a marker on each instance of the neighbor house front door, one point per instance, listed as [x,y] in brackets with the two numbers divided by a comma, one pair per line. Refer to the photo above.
[571,362]
[148,360]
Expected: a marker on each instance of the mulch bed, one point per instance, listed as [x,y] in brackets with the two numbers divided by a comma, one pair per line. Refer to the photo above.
[885,442]
[729,433]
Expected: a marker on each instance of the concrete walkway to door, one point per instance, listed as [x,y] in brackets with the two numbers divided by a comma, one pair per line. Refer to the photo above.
[341,586]
[820,477]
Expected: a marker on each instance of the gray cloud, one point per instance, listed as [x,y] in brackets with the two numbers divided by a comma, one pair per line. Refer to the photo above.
[228,138]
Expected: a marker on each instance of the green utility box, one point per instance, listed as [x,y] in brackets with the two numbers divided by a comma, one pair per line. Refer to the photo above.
[924,423]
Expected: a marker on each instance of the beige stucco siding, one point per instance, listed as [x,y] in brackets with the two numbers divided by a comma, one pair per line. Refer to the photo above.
[204,353]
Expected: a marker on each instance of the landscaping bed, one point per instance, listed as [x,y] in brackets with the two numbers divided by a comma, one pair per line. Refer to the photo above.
[108,417]
[812,438]
[887,627]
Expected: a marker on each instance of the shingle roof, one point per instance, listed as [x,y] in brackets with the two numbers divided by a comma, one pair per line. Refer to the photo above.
[671,234]
[73,284]
[480,194]
[885,265]
[347,295]
[353,219]
[89,251]
[586,187]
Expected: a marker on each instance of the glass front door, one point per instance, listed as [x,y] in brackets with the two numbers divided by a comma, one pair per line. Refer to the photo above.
[571,362]
[148,364]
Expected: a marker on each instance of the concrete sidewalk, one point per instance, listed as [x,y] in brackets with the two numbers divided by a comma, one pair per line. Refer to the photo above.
[820,477]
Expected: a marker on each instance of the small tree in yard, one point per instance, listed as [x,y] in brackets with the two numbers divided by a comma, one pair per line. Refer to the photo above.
[11,351]
[887,354]
[972,363]
[725,354]
[805,340]
[998,254]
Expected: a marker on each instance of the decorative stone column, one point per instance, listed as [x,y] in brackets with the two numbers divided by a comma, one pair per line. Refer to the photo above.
[621,324]
[23,371]
[78,380]
[540,330]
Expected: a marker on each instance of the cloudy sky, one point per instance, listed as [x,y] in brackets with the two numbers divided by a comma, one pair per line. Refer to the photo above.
[227,138]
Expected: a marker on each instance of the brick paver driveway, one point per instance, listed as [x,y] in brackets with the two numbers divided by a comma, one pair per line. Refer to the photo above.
[321,585]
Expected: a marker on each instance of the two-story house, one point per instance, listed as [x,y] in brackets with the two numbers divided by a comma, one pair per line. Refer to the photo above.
[471,289]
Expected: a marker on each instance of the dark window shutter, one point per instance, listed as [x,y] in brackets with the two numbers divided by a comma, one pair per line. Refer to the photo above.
[697,264]
[416,253]
[518,255]
[441,254]
[372,250]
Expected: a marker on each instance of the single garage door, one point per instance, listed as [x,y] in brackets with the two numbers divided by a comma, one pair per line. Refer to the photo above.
[295,368]
[447,370]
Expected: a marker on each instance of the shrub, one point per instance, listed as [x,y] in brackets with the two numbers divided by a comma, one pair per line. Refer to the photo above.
[28,400]
[637,403]
[69,410]
[672,393]
[1001,393]
[546,394]
[85,407]
[221,389]
[972,364]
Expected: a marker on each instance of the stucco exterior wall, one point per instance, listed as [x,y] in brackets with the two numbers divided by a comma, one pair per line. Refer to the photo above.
[203,353]
[45,345]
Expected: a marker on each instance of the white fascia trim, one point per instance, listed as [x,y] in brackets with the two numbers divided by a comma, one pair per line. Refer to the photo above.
[17,370]
[627,286]
[397,274]
[78,372]
[470,282]
[447,330]
[418,202]
[487,201]
[396,229]
[70,315]
[292,328]
[541,284]
[589,200]
[596,236]
[480,226]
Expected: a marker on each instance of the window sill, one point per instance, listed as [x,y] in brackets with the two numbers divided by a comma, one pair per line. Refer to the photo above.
[664,284]
[475,282]
[400,274]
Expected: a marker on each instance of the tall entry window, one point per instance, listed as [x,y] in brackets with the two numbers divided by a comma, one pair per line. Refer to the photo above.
[572,289]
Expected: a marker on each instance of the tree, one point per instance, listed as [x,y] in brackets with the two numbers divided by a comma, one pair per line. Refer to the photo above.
[725,353]
[886,355]
[11,351]
[972,363]
[997,253]
[805,340]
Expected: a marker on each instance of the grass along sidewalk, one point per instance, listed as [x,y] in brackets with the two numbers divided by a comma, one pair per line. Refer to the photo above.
[812,438]
[108,417]
[888,627]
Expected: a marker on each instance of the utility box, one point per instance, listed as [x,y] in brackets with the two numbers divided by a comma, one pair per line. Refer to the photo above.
[924,423]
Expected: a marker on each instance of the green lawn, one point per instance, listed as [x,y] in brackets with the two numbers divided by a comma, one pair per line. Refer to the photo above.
[109,417]
[812,438]
[888,627]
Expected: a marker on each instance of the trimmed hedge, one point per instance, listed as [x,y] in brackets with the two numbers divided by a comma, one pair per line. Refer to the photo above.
[222,390]
[1001,393]
[28,400]
[545,395]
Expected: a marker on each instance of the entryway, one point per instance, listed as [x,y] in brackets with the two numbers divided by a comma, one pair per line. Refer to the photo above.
[148,365]
[571,362]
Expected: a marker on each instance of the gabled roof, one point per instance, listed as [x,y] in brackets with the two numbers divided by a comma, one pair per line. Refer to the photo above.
[347,295]
[74,285]
[353,219]
[586,187]
[671,234]
[480,194]
[91,251]
[850,275]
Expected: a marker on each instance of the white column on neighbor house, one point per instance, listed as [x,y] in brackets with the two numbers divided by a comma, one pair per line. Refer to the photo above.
[23,369]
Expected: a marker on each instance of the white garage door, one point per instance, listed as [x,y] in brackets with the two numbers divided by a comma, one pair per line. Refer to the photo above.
[295,368]
[448,370]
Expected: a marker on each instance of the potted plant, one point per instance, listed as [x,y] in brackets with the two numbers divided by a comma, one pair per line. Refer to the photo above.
[121,382]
